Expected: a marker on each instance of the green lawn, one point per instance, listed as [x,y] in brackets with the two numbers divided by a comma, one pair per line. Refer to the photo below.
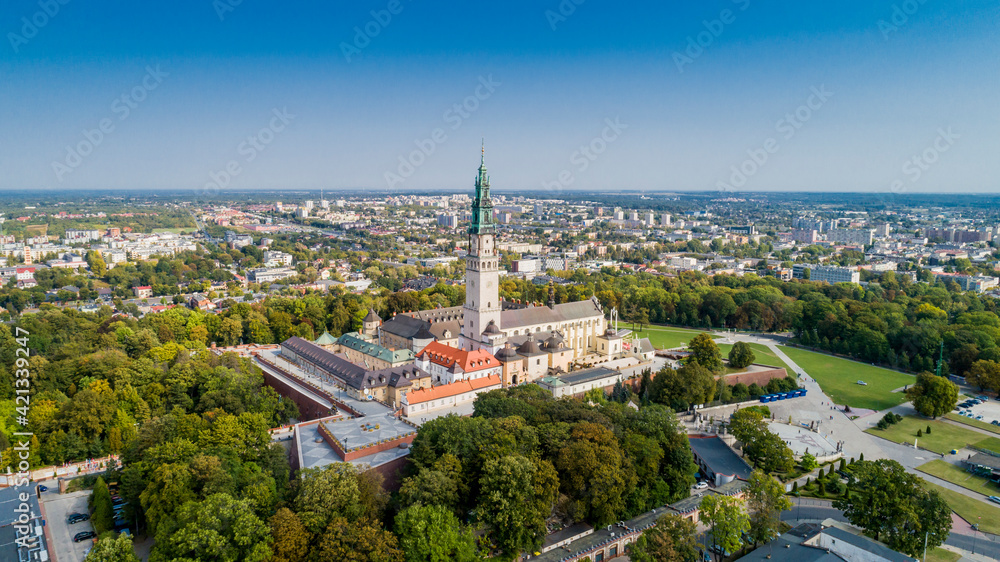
[956,475]
[943,438]
[970,509]
[941,555]
[665,337]
[763,354]
[838,378]
[990,444]
[973,423]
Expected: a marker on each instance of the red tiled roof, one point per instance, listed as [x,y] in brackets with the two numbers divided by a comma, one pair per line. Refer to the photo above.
[468,361]
[453,389]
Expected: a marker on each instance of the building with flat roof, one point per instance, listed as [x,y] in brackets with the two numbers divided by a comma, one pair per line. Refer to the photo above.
[811,542]
[717,461]
[579,382]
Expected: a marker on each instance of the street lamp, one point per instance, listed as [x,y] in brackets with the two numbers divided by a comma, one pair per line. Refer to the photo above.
[975,534]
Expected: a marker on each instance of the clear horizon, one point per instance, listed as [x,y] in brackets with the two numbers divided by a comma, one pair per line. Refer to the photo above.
[883,97]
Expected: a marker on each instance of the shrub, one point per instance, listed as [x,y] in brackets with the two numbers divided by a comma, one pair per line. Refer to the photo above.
[928,432]
[920,433]
[795,486]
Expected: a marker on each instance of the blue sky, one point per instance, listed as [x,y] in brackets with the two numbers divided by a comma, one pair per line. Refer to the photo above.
[911,104]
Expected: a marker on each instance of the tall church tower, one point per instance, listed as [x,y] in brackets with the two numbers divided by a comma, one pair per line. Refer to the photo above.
[482,272]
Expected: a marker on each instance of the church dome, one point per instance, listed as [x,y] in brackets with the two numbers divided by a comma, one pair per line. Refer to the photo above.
[529,347]
[507,354]
[555,341]
[491,329]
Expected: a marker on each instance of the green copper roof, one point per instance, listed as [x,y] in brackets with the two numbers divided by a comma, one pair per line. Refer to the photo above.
[325,339]
[482,205]
[354,341]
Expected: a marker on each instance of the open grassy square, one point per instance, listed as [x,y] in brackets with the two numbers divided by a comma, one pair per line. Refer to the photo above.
[838,378]
[972,423]
[665,337]
[970,509]
[956,475]
[943,438]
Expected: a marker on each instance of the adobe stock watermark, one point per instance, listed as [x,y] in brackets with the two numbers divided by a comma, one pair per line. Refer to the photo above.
[563,11]
[900,17]
[363,35]
[248,150]
[696,44]
[788,126]
[455,117]
[122,107]
[587,154]
[917,165]
[31,25]
[225,7]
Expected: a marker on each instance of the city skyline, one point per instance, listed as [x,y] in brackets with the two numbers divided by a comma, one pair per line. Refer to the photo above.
[731,96]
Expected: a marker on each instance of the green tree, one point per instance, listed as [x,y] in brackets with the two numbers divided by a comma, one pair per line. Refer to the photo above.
[103,512]
[672,538]
[727,518]
[328,492]
[359,541]
[766,499]
[741,355]
[984,374]
[765,449]
[595,473]
[508,506]
[112,550]
[434,534]
[932,395]
[808,462]
[705,352]
[218,528]
[290,537]
[890,504]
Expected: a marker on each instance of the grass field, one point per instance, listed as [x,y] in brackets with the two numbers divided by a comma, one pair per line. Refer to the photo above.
[973,423]
[970,509]
[941,555]
[954,474]
[763,354]
[665,337]
[990,444]
[838,378]
[943,438]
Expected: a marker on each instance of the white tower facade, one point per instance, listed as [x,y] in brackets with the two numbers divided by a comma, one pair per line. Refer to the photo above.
[482,273]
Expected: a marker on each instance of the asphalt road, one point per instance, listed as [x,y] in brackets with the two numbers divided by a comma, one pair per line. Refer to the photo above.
[57,509]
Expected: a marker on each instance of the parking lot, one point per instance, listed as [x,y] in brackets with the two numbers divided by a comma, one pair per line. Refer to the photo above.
[989,410]
[57,508]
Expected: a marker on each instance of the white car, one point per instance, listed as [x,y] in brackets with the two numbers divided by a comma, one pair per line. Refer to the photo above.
[862,383]
[701,485]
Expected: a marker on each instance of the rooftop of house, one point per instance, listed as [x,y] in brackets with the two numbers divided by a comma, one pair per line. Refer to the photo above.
[467,361]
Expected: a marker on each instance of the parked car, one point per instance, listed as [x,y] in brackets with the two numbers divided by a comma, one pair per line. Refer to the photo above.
[995,422]
[43,488]
[84,535]
[979,417]
[995,499]
[862,383]
[77,518]
[701,485]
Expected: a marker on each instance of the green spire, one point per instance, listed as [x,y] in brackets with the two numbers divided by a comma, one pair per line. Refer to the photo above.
[482,205]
